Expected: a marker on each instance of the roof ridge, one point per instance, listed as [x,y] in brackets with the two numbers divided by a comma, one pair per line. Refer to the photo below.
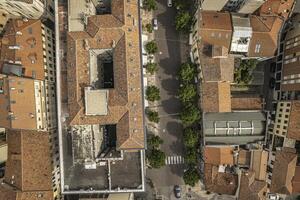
[259,18]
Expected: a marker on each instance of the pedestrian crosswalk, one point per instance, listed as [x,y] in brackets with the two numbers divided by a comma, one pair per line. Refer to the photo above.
[174,160]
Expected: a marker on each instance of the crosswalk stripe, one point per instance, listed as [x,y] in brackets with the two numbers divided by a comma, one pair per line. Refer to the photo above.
[174,160]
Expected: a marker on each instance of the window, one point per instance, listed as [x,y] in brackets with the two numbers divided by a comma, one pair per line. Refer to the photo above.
[257,48]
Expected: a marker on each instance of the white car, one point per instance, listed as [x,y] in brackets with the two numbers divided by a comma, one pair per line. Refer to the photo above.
[169,3]
[155,26]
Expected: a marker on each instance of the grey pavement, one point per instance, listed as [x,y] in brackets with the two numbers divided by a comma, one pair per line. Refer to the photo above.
[173,50]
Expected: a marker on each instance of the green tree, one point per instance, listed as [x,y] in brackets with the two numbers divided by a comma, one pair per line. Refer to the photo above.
[243,73]
[190,137]
[152,93]
[187,72]
[156,158]
[191,156]
[152,116]
[154,141]
[187,93]
[190,115]
[149,5]
[191,177]
[149,28]
[183,21]
[151,68]
[151,47]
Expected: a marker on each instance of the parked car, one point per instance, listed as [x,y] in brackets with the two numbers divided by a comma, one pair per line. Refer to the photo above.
[155,26]
[177,191]
[169,3]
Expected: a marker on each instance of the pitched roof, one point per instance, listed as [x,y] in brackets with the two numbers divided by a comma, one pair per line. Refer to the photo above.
[28,167]
[215,28]
[219,182]
[293,130]
[9,193]
[28,36]
[246,103]
[251,189]
[264,36]
[216,97]
[276,8]
[284,170]
[125,100]
[219,155]
[296,180]
[259,162]
[18,102]
[215,69]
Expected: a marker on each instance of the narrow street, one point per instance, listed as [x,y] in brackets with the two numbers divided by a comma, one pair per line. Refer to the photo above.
[173,50]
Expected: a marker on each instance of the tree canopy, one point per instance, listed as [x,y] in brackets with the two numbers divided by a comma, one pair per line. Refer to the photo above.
[152,93]
[154,141]
[190,137]
[152,116]
[151,47]
[156,158]
[183,21]
[187,72]
[151,68]
[190,115]
[149,5]
[187,93]
[191,176]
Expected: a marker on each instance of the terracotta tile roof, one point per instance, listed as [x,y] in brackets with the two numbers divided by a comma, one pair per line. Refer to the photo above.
[9,193]
[125,100]
[244,157]
[283,172]
[19,102]
[259,164]
[276,8]
[265,33]
[215,69]
[216,97]
[219,182]
[251,189]
[293,130]
[296,180]
[28,36]
[28,166]
[246,103]
[219,155]
[215,28]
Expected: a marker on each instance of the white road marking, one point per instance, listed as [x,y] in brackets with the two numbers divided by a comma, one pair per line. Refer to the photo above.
[174,160]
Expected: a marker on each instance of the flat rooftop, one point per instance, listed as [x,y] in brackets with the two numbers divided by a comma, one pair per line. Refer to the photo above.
[95,101]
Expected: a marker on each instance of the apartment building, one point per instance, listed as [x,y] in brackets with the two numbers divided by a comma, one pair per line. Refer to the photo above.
[240,173]
[28,51]
[239,6]
[22,103]
[31,9]
[27,67]
[287,74]
[281,172]
[105,109]
[28,167]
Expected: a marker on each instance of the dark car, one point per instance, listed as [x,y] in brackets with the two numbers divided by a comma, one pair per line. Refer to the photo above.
[272,83]
[177,191]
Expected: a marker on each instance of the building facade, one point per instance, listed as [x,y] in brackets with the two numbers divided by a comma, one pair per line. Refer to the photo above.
[32,9]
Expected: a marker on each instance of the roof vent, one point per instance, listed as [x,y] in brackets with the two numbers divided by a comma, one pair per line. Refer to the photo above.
[113,44]
[14,47]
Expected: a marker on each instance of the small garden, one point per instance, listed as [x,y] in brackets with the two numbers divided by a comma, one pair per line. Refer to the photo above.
[190,117]
[243,73]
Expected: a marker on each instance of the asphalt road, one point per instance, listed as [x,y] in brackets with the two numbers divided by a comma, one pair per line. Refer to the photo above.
[172,52]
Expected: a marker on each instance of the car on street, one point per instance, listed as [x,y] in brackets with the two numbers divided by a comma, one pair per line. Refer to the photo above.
[169,3]
[177,191]
[155,24]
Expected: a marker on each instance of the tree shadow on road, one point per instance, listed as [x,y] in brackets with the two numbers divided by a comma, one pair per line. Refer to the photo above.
[171,106]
